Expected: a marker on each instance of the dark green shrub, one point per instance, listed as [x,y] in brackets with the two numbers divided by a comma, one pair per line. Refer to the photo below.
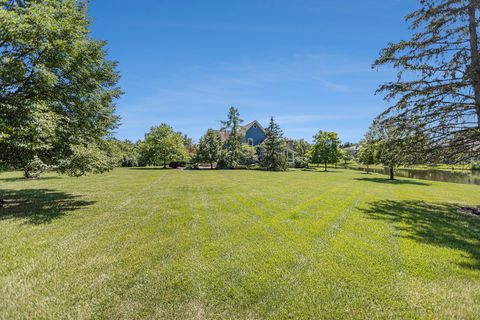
[177,164]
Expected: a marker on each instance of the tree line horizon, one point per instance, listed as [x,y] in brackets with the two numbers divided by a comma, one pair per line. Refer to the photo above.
[58,92]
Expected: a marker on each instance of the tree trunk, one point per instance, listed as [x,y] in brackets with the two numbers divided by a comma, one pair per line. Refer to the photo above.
[392,174]
[474,55]
[367,169]
[325,167]
[211,165]
[26,173]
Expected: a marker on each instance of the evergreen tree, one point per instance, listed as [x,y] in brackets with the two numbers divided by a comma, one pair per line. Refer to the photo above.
[437,91]
[209,147]
[233,145]
[274,158]
[326,148]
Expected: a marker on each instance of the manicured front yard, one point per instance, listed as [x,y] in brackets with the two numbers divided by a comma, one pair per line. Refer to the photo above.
[171,244]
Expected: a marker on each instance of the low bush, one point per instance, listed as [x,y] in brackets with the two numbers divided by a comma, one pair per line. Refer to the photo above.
[301,162]
[177,164]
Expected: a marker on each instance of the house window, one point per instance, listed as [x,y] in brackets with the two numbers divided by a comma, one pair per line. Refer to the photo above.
[255,126]
[250,142]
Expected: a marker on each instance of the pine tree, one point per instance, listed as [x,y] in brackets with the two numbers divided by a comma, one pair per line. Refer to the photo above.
[233,145]
[274,158]
[437,92]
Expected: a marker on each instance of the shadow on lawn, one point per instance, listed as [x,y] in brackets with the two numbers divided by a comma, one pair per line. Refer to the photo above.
[396,181]
[19,179]
[37,206]
[319,170]
[437,224]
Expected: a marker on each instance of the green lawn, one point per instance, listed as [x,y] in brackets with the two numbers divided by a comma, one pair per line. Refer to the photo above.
[171,244]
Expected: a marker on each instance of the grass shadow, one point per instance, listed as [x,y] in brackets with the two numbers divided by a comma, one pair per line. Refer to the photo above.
[38,206]
[438,224]
[19,179]
[149,168]
[320,170]
[396,181]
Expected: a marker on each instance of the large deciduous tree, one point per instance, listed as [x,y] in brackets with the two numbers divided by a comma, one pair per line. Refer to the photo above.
[437,91]
[57,88]
[162,145]
[326,148]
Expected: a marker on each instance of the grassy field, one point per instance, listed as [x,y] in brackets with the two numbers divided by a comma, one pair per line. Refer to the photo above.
[171,244]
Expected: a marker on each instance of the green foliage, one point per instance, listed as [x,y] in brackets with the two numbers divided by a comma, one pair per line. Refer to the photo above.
[84,160]
[123,153]
[248,156]
[394,147]
[437,88]
[233,145]
[57,88]
[326,149]
[369,149]
[34,168]
[162,145]
[301,148]
[190,147]
[209,148]
[346,156]
[274,149]
[301,162]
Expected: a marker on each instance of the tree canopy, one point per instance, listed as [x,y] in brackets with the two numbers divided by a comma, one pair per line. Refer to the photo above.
[437,91]
[325,149]
[57,88]
[209,147]
[162,145]
[301,148]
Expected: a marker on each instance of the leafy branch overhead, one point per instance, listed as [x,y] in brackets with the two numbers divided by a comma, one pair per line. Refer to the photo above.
[57,88]
[437,91]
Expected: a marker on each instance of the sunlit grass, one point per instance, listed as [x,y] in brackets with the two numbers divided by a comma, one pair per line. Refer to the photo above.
[171,244]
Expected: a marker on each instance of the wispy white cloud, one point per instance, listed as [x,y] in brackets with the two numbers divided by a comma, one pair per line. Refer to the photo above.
[302,92]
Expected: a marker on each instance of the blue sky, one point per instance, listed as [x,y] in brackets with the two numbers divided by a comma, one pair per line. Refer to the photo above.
[305,62]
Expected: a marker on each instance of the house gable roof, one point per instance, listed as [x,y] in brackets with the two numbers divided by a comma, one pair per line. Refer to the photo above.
[225,134]
[251,124]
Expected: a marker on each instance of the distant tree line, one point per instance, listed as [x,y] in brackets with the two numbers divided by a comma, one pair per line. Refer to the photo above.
[165,147]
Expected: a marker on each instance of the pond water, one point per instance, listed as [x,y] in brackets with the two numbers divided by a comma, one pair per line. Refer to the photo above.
[465,177]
